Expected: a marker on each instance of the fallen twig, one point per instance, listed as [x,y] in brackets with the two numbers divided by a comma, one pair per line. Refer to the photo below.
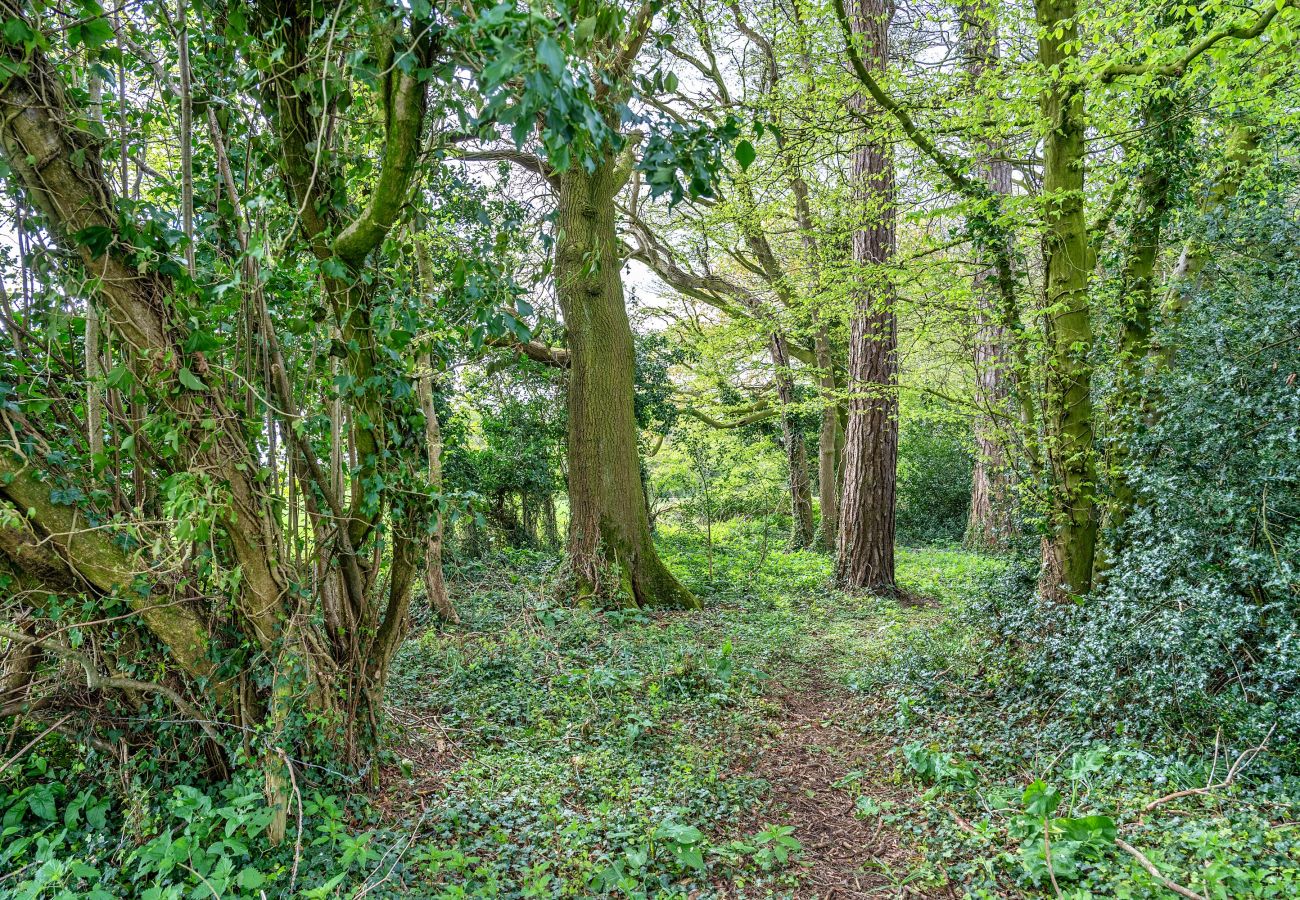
[1242,759]
[1155,873]
[33,742]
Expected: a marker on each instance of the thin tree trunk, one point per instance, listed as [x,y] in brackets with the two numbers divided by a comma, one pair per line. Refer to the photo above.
[550,530]
[610,546]
[434,584]
[830,435]
[187,137]
[830,438]
[796,450]
[990,523]
[94,372]
[867,506]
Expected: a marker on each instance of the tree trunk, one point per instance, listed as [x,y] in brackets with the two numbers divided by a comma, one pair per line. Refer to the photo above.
[1069,547]
[434,585]
[796,449]
[550,531]
[991,522]
[1136,307]
[610,546]
[830,439]
[867,504]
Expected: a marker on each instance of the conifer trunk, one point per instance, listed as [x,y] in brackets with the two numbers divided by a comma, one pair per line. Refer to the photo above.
[868,498]
[610,546]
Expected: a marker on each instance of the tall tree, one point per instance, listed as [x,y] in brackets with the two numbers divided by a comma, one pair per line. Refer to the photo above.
[991,502]
[610,546]
[868,498]
[1069,257]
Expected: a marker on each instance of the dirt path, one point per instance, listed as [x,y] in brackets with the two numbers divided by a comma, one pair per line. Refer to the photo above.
[812,749]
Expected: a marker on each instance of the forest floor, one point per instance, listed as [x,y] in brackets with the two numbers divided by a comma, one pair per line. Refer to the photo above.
[790,741]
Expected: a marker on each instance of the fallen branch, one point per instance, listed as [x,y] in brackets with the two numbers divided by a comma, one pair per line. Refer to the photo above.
[1234,770]
[1155,873]
[32,743]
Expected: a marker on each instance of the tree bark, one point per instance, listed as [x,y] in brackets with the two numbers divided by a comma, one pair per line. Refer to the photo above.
[796,449]
[1069,547]
[434,584]
[990,522]
[610,546]
[868,499]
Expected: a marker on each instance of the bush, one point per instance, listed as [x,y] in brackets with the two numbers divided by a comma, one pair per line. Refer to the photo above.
[934,478]
[1197,621]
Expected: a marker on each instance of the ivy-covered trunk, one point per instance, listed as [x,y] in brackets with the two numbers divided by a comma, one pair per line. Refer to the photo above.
[610,547]
[796,448]
[991,518]
[1068,434]
[869,493]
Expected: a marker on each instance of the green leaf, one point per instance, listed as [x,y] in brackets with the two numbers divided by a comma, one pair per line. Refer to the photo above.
[93,33]
[1041,799]
[745,154]
[42,803]
[96,239]
[200,342]
[120,377]
[1098,830]
[190,380]
[550,55]
[250,879]
[18,32]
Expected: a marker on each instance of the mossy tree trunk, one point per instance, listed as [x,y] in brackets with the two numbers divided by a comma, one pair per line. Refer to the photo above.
[610,547]
[1068,432]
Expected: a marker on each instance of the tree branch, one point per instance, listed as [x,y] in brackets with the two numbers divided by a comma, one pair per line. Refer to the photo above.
[529,161]
[761,411]
[98,561]
[1240,31]
[404,122]
[556,357]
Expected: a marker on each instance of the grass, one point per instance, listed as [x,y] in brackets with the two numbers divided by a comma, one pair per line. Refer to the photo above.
[580,734]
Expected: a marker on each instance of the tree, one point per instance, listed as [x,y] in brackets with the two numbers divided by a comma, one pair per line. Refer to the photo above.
[866,535]
[610,547]
[296,508]
[991,502]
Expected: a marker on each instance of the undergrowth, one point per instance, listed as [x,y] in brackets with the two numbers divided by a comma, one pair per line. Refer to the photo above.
[545,750]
